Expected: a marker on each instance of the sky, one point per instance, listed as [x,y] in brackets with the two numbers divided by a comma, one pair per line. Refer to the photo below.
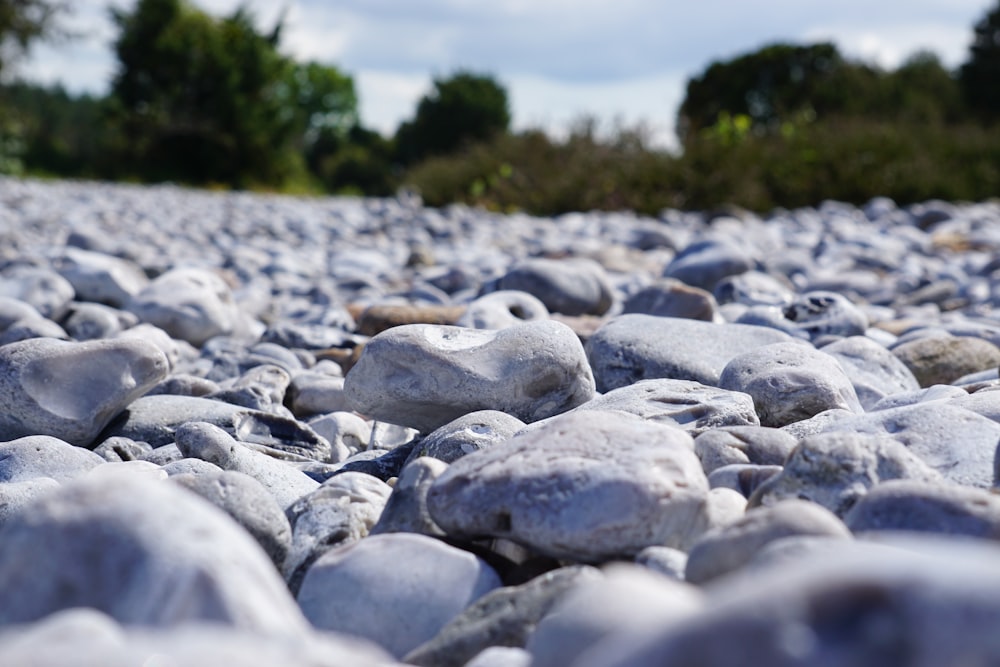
[617,61]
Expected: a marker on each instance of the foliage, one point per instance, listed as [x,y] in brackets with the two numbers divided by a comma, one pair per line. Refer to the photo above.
[23,22]
[980,75]
[461,109]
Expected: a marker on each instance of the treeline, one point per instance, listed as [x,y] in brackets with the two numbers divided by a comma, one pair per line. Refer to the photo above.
[213,102]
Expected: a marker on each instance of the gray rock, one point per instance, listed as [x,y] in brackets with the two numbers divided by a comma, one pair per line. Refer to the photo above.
[502,309]
[937,392]
[72,390]
[346,432]
[628,600]
[630,348]
[36,327]
[744,478]
[341,511]
[790,382]
[424,376]
[574,286]
[42,288]
[210,443]
[503,617]
[836,469]
[90,321]
[245,500]
[467,434]
[668,297]
[753,288]
[856,604]
[501,656]
[956,442]
[704,263]
[729,445]
[361,589]
[14,310]
[188,303]
[186,465]
[259,388]
[312,393]
[177,351]
[406,510]
[821,315]
[942,360]
[917,506]
[37,456]
[667,561]
[587,486]
[686,404]
[724,550]
[98,277]
[875,372]
[145,553]
[16,496]
[184,384]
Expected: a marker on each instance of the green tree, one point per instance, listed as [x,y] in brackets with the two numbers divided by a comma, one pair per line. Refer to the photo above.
[23,22]
[980,75]
[462,108]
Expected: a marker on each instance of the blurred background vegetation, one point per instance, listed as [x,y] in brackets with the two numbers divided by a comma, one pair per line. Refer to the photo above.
[212,102]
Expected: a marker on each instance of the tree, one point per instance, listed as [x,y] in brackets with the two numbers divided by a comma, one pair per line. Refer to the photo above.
[24,21]
[210,100]
[980,75]
[463,108]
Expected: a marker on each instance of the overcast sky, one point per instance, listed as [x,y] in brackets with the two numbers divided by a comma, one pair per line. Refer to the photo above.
[559,59]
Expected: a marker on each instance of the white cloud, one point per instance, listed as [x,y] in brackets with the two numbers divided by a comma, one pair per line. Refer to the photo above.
[890,46]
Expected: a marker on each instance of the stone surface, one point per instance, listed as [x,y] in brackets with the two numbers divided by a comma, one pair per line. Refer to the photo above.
[424,376]
[723,550]
[916,506]
[575,286]
[586,486]
[42,456]
[729,445]
[502,309]
[942,360]
[790,382]
[837,469]
[672,298]
[704,263]
[145,553]
[406,510]
[361,590]
[72,390]
[875,372]
[42,288]
[686,404]
[99,277]
[630,348]
[467,434]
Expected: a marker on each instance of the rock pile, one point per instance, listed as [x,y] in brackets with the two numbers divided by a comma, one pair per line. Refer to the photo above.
[274,430]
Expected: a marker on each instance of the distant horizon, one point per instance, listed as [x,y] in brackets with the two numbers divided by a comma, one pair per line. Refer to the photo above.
[560,61]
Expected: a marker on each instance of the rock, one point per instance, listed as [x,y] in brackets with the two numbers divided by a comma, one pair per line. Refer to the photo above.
[704,263]
[313,393]
[728,445]
[790,382]
[942,360]
[117,449]
[672,298]
[663,560]
[32,328]
[424,376]
[836,469]
[341,511]
[957,443]
[346,432]
[501,656]
[688,405]
[723,550]
[259,388]
[917,506]
[499,310]
[100,278]
[90,321]
[406,510]
[574,286]
[821,315]
[45,290]
[380,317]
[175,350]
[145,553]
[503,617]
[627,601]
[743,478]
[630,348]
[753,288]
[210,443]
[13,310]
[188,303]
[16,496]
[42,456]
[361,590]
[586,486]
[247,501]
[72,390]
[467,434]
[875,372]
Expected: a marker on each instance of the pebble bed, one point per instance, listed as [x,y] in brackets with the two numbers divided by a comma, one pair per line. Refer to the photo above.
[299,431]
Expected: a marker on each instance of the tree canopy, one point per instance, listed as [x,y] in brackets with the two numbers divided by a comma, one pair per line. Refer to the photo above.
[980,75]
[23,22]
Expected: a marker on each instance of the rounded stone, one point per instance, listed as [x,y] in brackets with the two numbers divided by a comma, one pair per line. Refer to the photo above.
[729,445]
[467,434]
[502,309]
[875,372]
[574,286]
[672,298]
[918,506]
[42,456]
[942,360]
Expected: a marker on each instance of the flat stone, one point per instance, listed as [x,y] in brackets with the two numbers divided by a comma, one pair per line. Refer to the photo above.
[729,445]
[837,469]
[99,277]
[341,511]
[380,317]
[821,315]
[685,404]
[875,372]
[361,590]
[503,617]
[667,561]
[586,486]
[753,288]
[917,506]
[667,297]
[313,393]
[723,550]
[790,382]
[43,456]
[572,286]
[72,390]
[630,348]
[145,553]
[743,478]
[942,360]
[424,376]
